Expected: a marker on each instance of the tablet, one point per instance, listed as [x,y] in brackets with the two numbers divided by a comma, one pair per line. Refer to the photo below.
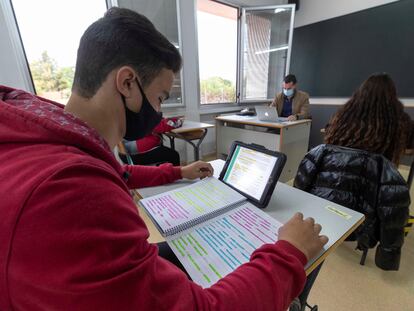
[253,171]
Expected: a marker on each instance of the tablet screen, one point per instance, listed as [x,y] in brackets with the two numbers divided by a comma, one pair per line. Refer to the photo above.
[249,171]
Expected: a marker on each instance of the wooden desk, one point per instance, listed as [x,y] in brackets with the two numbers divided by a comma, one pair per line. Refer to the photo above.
[291,138]
[190,131]
[285,202]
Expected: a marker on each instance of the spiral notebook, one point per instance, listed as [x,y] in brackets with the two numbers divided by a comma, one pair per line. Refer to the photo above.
[212,225]
[182,208]
[211,228]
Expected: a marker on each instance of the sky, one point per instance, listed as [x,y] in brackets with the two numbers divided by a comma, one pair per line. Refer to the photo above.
[217,46]
[55,26]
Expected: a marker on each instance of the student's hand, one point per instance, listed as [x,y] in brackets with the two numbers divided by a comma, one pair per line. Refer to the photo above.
[304,235]
[197,169]
[293,117]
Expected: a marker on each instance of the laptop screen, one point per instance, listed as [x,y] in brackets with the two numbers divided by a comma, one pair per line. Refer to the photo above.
[249,171]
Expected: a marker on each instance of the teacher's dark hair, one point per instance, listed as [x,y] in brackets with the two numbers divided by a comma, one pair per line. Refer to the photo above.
[122,37]
[290,78]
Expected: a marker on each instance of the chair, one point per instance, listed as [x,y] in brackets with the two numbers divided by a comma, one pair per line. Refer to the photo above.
[368,183]
[161,153]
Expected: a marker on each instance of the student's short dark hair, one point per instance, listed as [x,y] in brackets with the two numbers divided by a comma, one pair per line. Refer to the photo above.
[290,78]
[122,37]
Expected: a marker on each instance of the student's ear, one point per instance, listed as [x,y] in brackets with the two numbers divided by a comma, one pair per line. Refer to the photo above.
[125,81]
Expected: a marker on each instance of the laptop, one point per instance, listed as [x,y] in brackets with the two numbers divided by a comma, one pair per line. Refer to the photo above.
[266,113]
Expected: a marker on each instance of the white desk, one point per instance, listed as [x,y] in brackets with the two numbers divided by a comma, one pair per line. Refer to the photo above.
[285,202]
[291,138]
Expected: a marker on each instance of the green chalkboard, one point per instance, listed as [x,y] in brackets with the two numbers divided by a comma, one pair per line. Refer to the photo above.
[331,58]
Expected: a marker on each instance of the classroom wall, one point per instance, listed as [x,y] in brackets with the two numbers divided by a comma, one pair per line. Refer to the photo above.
[323,108]
[312,11]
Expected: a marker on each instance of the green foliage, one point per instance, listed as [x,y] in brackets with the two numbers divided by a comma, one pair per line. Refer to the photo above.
[49,77]
[217,90]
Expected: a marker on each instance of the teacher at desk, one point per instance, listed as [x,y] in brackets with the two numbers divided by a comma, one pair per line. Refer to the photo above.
[291,102]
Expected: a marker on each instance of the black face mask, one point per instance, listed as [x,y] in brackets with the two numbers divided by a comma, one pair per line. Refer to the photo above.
[140,124]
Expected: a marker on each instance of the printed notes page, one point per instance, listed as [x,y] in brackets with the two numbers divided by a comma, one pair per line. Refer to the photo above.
[179,207]
[212,250]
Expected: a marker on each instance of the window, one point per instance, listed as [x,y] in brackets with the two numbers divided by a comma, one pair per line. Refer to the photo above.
[217,26]
[163,14]
[265,54]
[50,31]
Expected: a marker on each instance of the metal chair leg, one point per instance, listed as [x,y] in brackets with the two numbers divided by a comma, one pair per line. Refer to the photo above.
[410,175]
[364,256]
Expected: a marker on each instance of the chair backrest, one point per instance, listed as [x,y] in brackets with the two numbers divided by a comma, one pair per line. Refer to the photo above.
[132,159]
[349,177]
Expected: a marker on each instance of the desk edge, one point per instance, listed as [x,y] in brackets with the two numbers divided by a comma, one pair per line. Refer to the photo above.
[318,261]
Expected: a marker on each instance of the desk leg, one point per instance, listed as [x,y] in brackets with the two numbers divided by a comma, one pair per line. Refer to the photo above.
[197,145]
[172,142]
[410,175]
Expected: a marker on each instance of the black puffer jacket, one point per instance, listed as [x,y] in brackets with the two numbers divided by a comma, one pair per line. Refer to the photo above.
[367,183]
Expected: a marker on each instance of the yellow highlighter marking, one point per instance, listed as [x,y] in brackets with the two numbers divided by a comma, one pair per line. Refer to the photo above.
[338,212]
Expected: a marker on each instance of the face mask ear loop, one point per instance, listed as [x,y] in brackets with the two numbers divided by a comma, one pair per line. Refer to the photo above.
[140,87]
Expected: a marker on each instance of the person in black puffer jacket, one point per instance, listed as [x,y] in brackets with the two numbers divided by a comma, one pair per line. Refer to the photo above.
[367,183]
[374,124]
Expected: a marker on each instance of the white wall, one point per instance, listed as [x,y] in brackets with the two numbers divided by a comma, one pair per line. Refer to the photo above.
[312,11]
[13,67]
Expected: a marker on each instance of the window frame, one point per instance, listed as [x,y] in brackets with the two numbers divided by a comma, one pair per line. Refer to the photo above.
[18,46]
[112,3]
[242,40]
[180,43]
[214,106]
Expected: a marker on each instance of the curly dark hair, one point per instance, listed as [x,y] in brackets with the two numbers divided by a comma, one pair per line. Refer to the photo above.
[373,120]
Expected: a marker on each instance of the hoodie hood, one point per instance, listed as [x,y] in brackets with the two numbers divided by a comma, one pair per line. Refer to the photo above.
[26,118]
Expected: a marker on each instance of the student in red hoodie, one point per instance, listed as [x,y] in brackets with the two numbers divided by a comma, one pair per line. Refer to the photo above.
[70,234]
[150,150]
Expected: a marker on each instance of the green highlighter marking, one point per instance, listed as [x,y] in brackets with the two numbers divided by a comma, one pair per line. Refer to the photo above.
[198,244]
[177,248]
[206,277]
[193,262]
[214,270]
[232,163]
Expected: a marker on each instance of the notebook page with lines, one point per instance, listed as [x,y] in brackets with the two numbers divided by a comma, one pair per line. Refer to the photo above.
[215,248]
[179,209]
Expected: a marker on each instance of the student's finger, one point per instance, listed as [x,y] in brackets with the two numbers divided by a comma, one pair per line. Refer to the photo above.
[298,215]
[324,239]
[211,169]
[310,220]
[317,228]
[206,168]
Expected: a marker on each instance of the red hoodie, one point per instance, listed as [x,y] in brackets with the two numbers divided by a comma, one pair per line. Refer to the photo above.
[71,237]
[154,139]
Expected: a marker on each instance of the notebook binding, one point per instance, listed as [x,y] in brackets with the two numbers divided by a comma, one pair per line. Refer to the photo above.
[187,225]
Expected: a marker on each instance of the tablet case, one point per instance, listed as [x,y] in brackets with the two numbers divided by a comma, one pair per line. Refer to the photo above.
[274,176]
